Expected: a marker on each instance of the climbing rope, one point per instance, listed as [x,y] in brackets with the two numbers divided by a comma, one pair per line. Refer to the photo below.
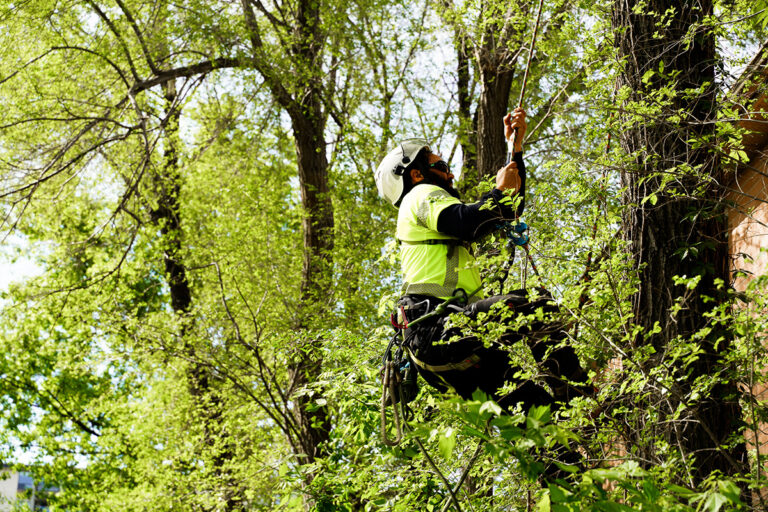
[530,54]
[510,141]
[525,247]
[388,392]
[513,232]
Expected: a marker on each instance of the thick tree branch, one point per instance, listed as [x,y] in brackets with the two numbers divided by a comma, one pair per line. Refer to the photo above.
[264,66]
[199,68]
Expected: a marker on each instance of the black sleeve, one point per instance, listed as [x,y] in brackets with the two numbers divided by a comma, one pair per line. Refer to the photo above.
[471,221]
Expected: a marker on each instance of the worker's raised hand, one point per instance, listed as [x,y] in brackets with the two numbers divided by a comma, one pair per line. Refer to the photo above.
[508,178]
[515,121]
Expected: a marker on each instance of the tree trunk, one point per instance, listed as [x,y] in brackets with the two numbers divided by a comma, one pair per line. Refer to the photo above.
[317,226]
[482,134]
[496,74]
[167,216]
[675,227]
[467,121]
[303,103]
[313,422]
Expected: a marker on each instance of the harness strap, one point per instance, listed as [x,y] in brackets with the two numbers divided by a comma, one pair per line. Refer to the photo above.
[433,241]
[460,366]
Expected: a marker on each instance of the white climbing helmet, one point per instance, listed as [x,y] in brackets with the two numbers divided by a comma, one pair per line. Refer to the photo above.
[389,173]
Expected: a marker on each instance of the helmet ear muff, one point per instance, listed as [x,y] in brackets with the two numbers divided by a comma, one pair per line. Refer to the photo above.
[400,169]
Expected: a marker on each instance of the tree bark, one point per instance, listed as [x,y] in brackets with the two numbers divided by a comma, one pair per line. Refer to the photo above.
[467,121]
[497,70]
[303,103]
[167,216]
[675,227]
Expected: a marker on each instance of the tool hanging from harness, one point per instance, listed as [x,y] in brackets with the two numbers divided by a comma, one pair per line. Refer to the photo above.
[517,235]
[399,386]
[399,378]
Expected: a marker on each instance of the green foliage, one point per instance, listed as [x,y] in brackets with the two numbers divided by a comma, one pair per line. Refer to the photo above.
[102,379]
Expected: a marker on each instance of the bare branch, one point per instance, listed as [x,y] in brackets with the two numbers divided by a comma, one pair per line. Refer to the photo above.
[119,37]
[142,43]
[26,65]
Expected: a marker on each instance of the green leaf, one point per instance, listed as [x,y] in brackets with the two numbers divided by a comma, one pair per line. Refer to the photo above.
[651,198]
[447,442]
[558,494]
[730,490]
[714,502]
[491,408]
[544,504]
[538,416]
[647,76]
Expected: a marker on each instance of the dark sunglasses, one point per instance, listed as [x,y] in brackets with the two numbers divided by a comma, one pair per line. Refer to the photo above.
[441,166]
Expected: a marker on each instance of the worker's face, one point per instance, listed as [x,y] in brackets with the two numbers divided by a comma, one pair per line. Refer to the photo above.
[440,172]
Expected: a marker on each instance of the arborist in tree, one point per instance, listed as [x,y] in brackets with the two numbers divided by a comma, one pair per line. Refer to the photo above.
[434,228]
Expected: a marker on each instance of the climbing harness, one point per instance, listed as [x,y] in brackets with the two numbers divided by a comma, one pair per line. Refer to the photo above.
[399,384]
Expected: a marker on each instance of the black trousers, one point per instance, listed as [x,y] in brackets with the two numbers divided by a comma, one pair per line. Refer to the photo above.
[466,365]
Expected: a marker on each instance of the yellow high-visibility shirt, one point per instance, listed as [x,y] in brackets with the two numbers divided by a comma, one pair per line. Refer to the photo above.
[433,263]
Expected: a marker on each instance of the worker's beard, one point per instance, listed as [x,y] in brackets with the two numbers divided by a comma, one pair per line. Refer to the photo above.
[436,179]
